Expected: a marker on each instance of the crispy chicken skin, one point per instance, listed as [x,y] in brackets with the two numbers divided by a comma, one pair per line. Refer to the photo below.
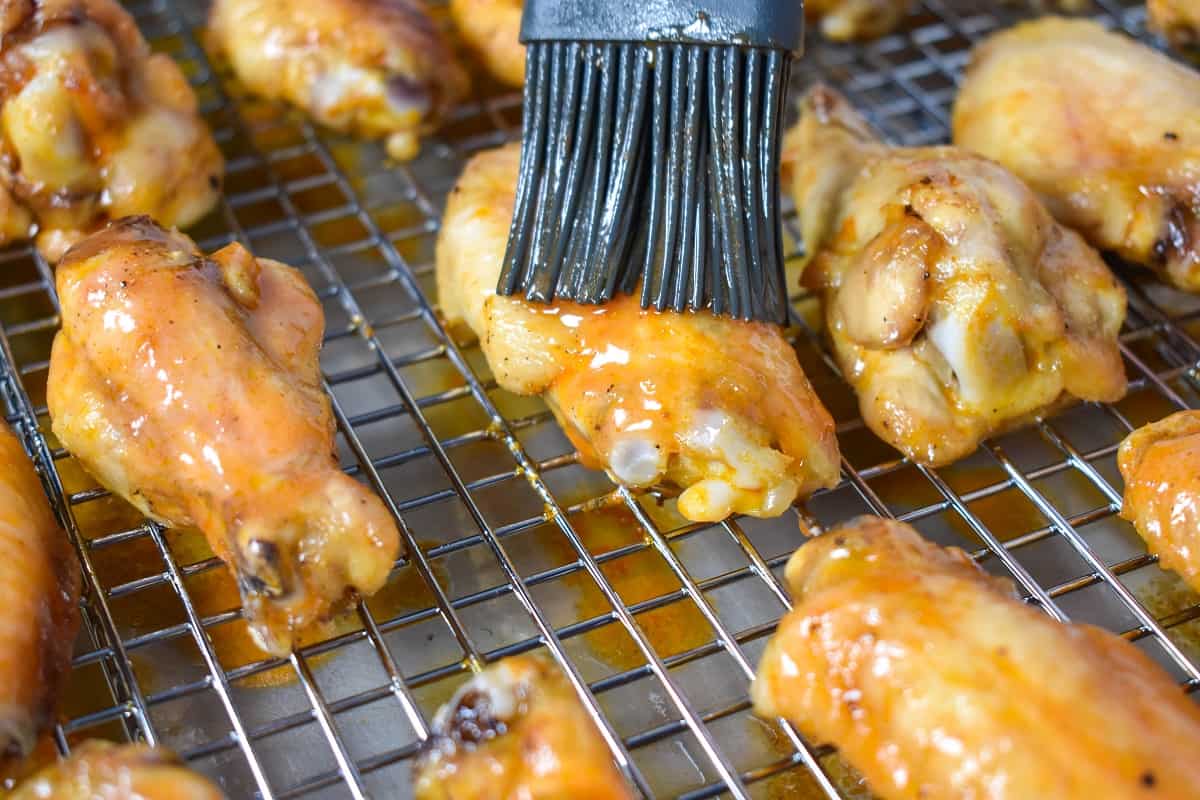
[99,770]
[934,681]
[491,28]
[94,126]
[190,387]
[847,20]
[517,730]
[717,407]
[1160,463]
[379,69]
[1104,128]
[1176,20]
[39,601]
[956,305]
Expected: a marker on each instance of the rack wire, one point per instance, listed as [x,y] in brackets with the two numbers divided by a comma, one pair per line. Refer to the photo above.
[514,546]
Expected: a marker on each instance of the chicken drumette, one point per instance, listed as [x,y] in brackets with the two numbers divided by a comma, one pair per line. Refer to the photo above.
[1161,467]
[94,126]
[1177,20]
[39,596]
[190,386]
[846,20]
[517,730]
[372,68]
[492,28]
[934,681]
[956,305]
[716,406]
[104,771]
[1104,128]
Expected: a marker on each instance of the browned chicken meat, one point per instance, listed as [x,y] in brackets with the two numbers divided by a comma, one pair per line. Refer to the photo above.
[1177,20]
[956,305]
[104,771]
[517,730]
[94,126]
[1104,128]
[715,406]
[934,681]
[491,28]
[846,20]
[190,386]
[1161,467]
[39,597]
[379,69]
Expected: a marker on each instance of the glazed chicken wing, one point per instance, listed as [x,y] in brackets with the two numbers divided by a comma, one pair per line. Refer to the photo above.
[39,599]
[1104,128]
[379,69]
[94,126]
[1160,463]
[492,28]
[190,387]
[716,406]
[846,20]
[517,730]
[956,305]
[104,771]
[1176,20]
[934,681]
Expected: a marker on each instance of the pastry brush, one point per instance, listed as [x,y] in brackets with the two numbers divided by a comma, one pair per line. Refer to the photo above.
[650,154]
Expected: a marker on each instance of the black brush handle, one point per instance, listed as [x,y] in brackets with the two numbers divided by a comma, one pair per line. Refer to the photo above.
[772,24]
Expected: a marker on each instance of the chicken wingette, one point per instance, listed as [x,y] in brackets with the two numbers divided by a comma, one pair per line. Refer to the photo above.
[517,730]
[190,386]
[99,770]
[94,126]
[379,69]
[492,29]
[718,407]
[1104,128]
[1160,463]
[935,681]
[956,305]
[847,20]
[39,604]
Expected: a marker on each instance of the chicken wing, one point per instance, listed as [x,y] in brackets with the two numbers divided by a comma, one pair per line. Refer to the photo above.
[39,604]
[847,20]
[956,305]
[94,126]
[1160,463]
[933,680]
[716,406]
[492,28]
[99,770]
[517,730]
[1104,128]
[190,387]
[1176,20]
[379,69]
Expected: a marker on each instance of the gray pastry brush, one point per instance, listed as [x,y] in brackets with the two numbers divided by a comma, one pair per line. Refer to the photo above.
[650,154]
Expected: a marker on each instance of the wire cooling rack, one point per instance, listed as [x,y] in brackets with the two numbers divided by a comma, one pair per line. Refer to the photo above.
[514,546]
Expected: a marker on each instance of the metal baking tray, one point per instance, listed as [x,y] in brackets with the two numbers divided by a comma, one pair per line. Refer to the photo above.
[515,546]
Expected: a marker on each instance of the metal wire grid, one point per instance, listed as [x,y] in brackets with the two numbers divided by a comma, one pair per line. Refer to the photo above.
[483,484]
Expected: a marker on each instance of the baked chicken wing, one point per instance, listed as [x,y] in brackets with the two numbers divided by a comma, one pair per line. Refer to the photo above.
[190,387]
[517,730]
[847,20]
[956,305]
[492,29]
[94,126]
[715,406]
[1104,128]
[1160,463]
[934,681]
[379,69]
[1176,20]
[104,771]
[39,598]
